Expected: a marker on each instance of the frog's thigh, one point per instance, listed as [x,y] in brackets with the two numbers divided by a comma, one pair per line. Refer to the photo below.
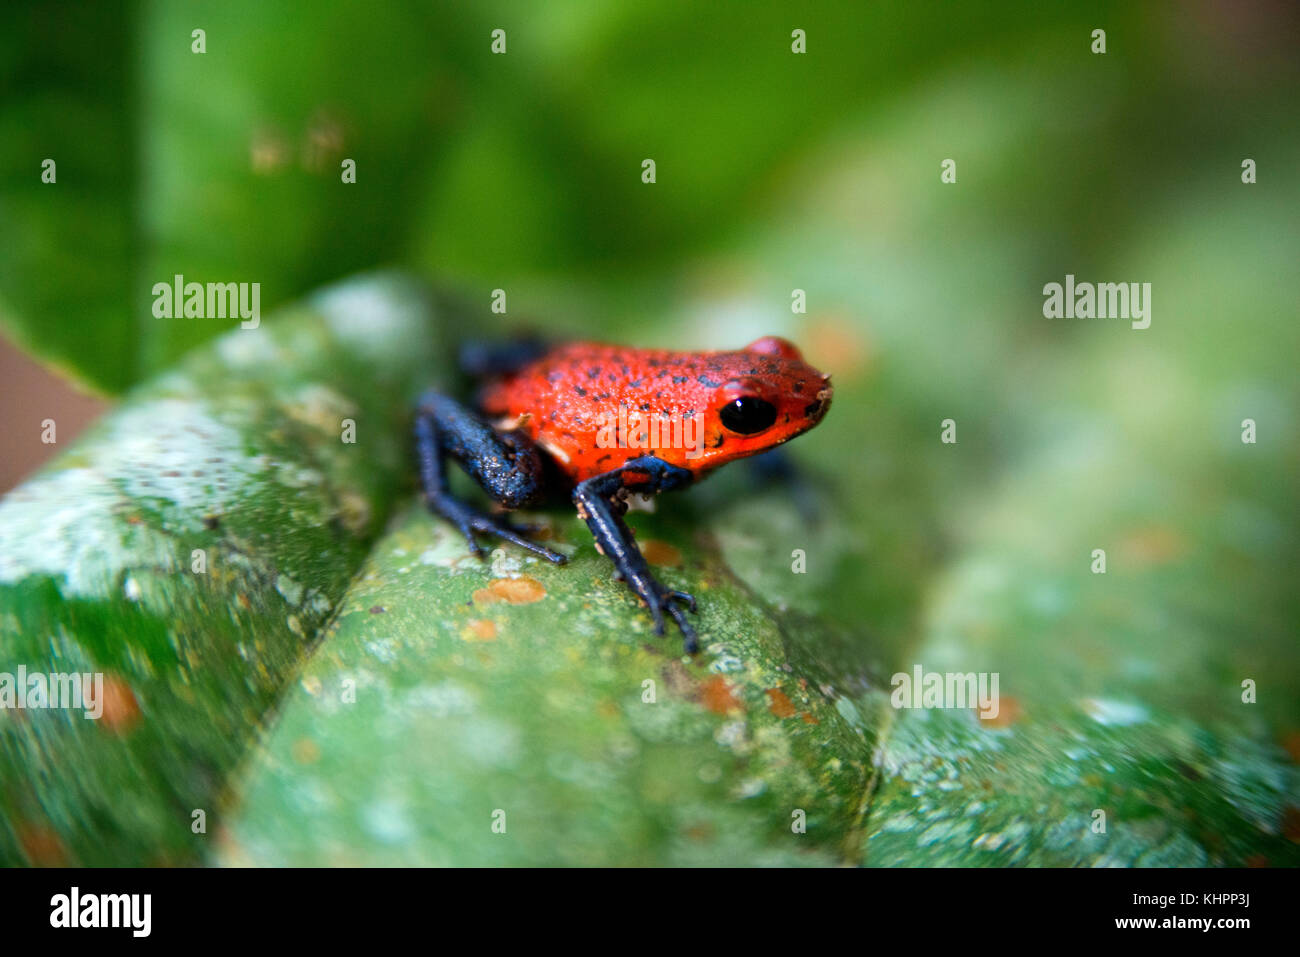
[506,465]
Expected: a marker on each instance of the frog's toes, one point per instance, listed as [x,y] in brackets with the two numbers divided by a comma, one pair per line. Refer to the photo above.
[470,521]
[671,601]
[686,597]
[475,548]
[510,533]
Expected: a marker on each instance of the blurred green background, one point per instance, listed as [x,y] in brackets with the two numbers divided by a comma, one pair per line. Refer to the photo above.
[777,171]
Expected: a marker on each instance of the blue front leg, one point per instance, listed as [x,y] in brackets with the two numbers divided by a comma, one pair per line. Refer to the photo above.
[602,502]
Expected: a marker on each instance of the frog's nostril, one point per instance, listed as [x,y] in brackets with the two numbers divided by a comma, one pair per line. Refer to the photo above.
[817,408]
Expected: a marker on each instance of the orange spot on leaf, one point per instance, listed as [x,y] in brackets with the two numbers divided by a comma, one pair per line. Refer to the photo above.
[717,697]
[1153,545]
[306,751]
[701,832]
[836,337]
[42,846]
[1291,824]
[661,553]
[779,704]
[1009,712]
[480,629]
[121,710]
[1291,742]
[515,591]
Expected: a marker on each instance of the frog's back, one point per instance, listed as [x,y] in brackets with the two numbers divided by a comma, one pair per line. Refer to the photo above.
[569,401]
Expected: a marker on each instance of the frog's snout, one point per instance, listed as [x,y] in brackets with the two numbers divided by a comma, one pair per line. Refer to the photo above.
[815,410]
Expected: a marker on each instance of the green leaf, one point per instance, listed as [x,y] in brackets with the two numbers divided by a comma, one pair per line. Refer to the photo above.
[225,165]
[234,460]
[1124,735]
[220,166]
[522,713]
[68,261]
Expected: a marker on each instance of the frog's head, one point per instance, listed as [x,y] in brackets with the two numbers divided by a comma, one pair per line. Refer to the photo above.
[767,395]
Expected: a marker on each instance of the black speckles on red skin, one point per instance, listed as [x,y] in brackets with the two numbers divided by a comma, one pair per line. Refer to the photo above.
[556,407]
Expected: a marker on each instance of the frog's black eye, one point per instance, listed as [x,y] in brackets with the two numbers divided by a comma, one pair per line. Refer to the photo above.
[748,414]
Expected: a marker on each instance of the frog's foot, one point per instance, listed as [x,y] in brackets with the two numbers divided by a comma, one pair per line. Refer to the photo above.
[663,599]
[469,520]
[600,503]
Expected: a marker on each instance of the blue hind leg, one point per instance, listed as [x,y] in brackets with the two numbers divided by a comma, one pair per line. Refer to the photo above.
[506,465]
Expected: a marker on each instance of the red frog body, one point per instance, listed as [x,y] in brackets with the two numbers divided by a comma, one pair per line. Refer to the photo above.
[613,420]
[595,407]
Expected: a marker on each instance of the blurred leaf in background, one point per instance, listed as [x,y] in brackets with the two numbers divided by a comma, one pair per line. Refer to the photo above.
[226,165]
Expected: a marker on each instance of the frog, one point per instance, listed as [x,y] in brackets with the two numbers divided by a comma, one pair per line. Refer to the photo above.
[603,423]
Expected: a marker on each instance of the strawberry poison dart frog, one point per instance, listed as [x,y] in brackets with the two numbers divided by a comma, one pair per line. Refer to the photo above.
[605,422]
